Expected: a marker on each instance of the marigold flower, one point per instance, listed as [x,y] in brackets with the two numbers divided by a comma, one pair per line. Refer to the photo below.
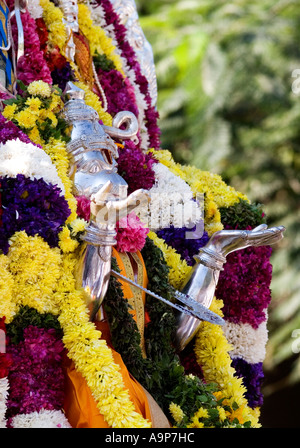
[39,88]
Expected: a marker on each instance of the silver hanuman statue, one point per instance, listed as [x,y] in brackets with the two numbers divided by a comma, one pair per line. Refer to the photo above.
[93,156]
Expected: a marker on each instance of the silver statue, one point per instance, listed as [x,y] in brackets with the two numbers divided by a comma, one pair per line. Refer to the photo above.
[93,156]
[202,282]
[70,11]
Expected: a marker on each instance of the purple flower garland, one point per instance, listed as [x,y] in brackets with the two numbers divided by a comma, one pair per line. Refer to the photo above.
[36,377]
[118,92]
[187,248]
[33,206]
[244,285]
[253,377]
[136,167]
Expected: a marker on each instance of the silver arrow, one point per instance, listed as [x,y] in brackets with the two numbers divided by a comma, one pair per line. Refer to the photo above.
[194,309]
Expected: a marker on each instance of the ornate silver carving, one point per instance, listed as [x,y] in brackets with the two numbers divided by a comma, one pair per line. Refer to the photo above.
[95,176]
[93,156]
[192,308]
[70,11]
[202,282]
[128,15]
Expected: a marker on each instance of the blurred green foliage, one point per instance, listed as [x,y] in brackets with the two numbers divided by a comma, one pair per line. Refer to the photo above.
[229,103]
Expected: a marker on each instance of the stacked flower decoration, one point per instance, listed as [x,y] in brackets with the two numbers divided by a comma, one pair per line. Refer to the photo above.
[216,381]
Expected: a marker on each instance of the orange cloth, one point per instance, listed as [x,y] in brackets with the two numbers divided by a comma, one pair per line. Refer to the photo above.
[80,407]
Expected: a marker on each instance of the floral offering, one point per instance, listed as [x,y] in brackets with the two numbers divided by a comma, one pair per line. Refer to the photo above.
[216,380]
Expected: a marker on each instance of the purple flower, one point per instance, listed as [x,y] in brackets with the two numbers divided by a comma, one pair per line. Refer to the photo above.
[244,285]
[36,378]
[120,96]
[136,167]
[253,376]
[33,206]
[128,53]
[177,239]
[60,76]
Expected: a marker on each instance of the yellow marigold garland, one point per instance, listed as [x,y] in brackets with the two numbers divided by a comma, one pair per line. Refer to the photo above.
[53,18]
[97,38]
[35,270]
[57,150]
[7,307]
[42,277]
[212,353]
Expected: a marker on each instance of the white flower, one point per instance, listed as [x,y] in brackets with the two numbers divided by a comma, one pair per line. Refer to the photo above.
[171,202]
[42,419]
[248,343]
[17,157]
[4,386]
[35,9]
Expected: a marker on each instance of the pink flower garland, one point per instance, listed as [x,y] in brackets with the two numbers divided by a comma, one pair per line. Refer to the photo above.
[5,359]
[32,66]
[131,234]
[36,377]
[244,285]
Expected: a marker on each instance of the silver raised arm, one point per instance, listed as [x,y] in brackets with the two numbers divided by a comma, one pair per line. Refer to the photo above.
[204,277]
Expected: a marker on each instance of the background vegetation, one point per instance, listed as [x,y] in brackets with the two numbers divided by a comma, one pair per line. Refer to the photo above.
[229,103]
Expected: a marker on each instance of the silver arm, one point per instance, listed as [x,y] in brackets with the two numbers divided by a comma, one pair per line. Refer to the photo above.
[94,265]
[202,282]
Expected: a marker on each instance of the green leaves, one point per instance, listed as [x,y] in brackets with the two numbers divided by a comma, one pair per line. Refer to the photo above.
[29,316]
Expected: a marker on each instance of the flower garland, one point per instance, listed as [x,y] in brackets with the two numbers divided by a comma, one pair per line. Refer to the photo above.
[35,347]
[5,365]
[51,288]
[131,234]
[34,206]
[136,167]
[161,369]
[229,407]
[151,115]
[97,38]
[222,204]
[36,378]
[35,112]
[211,348]
[32,65]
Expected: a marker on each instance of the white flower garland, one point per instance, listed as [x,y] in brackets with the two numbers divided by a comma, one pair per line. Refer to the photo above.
[42,419]
[171,202]
[4,386]
[248,343]
[35,9]
[17,157]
